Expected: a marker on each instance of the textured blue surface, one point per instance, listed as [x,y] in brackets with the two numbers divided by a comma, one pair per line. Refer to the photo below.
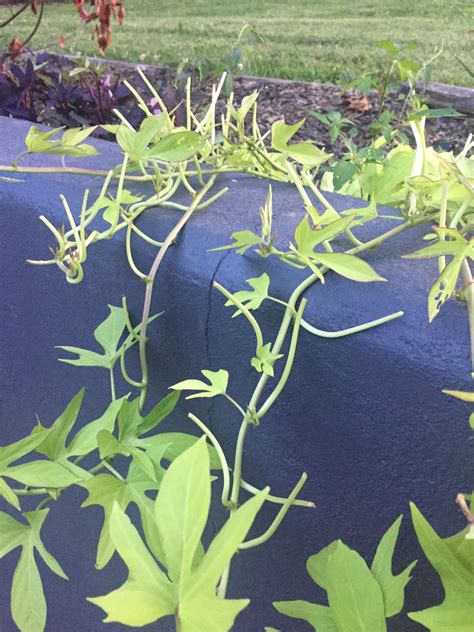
[363,415]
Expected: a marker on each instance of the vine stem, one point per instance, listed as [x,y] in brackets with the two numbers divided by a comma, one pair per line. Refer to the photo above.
[72,170]
[285,323]
[112,385]
[220,454]
[170,238]
[469,290]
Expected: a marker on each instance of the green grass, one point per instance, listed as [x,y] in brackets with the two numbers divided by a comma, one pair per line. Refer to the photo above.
[313,40]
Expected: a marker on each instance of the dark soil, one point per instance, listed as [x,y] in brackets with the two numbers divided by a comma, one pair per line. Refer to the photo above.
[294,100]
[278,99]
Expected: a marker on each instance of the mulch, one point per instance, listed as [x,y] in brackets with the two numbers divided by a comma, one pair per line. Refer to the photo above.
[294,100]
[288,100]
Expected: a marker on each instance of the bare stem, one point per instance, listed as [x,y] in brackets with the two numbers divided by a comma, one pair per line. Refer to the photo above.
[170,238]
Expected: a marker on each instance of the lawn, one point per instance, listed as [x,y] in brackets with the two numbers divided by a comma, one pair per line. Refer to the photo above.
[311,40]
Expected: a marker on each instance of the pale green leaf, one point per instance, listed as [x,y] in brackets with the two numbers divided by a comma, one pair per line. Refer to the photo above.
[181,511]
[176,147]
[265,359]
[28,603]
[305,153]
[85,441]
[12,534]
[177,443]
[218,381]
[392,586]
[348,266]
[21,448]
[354,596]
[202,613]
[226,543]
[42,474]
[85,357]
[8,494]
[76,135]
[147,595]
[182,507]
[243,240]
[283,133]
[105,490]
[317,565]
[54,445]
[163,409]
[452,558]
[252,299]
[463,395]
[319,617]
[443,288]
[307,238]
[109,332]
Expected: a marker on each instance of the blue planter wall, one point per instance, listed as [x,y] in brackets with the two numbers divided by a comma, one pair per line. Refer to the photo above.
[363,415]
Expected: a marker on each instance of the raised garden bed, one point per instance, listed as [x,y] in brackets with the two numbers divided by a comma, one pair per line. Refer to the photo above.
[321,387]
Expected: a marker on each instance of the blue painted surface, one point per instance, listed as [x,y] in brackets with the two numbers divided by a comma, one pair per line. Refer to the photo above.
[363,415]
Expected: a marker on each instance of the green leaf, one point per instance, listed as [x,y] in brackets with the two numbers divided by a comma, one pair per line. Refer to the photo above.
[362,215]
[344,171]
[43,474]
[163,409]
[307,238]
[243,240]
[177,147]
[265,359]
[28,604]
[348,266]
[317,565]
[147,595]
[452,558]
[386,183]
[319,617]
[305,153]
[105,490]
[181,511]
[19,449]
[150,127]
[177,443]
[54,446]
[226,543]
[85,441]
[217,384]
[108,335]
[181,523]
[433,113]
[354,596]
[443,288]
[463,395]
[34,473]
[9,495]
[283,133]
[85,357]
[39,142]
[14,452]
[109,332]
[252,299]
[76,135]
[126,139]
[392,586]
